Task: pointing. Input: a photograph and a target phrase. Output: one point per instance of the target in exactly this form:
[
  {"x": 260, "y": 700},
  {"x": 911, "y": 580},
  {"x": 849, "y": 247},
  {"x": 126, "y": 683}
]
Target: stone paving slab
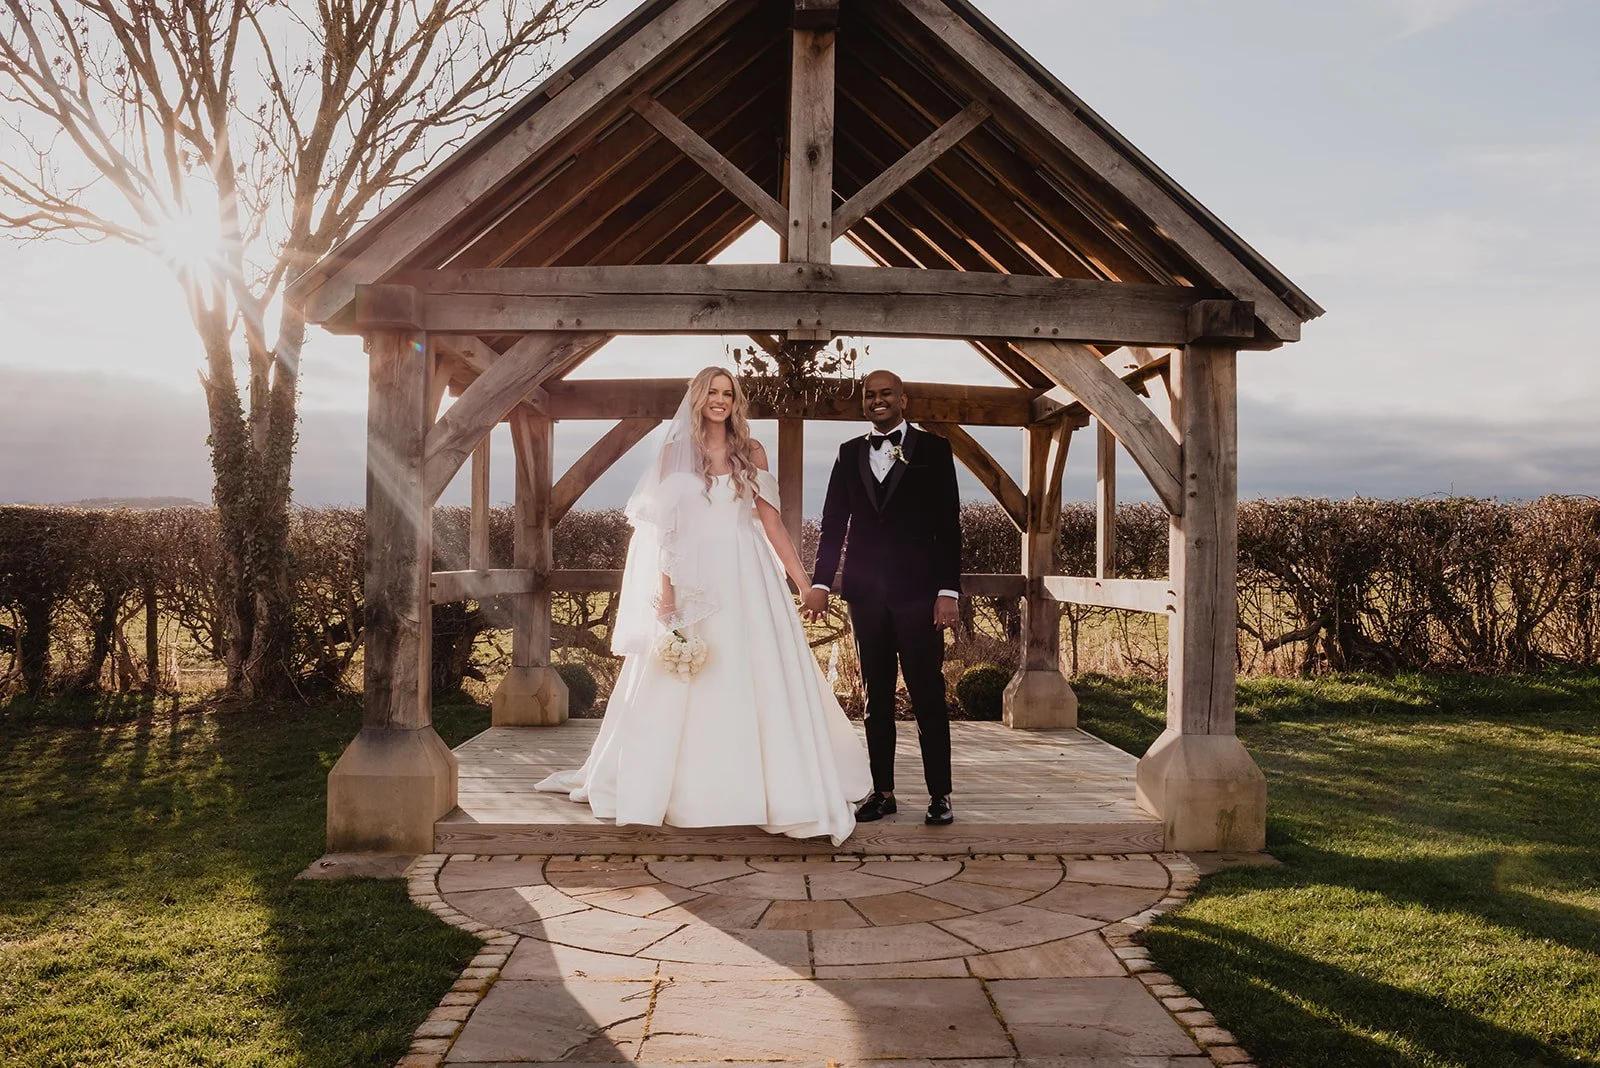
[
  {"x": 840, "y": 1018},
  {"x": 1110, "y": 1017},
  {"x": 575, "y": 1020},
  {"x": 998, "y": 962}
]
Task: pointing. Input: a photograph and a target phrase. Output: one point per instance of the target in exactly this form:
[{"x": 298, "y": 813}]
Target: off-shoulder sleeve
[{"x": 767, "y": 488}]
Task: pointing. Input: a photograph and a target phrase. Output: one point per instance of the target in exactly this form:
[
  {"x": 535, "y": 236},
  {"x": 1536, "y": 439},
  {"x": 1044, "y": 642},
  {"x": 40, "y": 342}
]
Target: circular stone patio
[{"x": 625, "y": 959}]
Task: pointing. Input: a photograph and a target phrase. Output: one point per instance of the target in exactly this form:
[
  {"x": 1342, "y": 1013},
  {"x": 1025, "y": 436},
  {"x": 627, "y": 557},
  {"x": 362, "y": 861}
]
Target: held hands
[
  {"x": 813, "y": 604},
  {"x": 945, "y": 613}
]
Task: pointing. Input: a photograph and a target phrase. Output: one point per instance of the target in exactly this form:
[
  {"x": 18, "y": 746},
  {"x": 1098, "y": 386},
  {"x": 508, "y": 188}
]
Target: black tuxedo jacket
[{"x": 904, "y": 535}]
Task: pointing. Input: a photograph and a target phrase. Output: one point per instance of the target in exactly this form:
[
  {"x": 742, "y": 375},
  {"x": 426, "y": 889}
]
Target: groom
[{"x": 892, "y": 499}]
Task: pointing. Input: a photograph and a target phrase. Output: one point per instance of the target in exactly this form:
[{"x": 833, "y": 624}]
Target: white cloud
[
  {"x": 1555, "y": 170},
  {"x": 1420, "y": 16},
  {"x": 1441, "y": 249}
]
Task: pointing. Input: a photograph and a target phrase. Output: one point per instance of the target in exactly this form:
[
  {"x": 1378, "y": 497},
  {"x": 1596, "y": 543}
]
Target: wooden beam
[
  {"x": 908, "y": 167},
  {"x": 1046, "y": 461},
  {"x": 439, "y": 381},
  {"x": 1222, "y": 320},
  {"x": 816, "y": 14},
  {"x": 445, "y": 199},
  {"x": 534, "y": 552},
  {"x": 478, "y": 532},
  {"x": 446, "y": 587},
  {"x": 492, "y": 397},
  {"x": 987, "y": 470},
  {"x": 1078, "y": 370},
  {"x": 386, "y": 307},
  {"x": 1203, "y": 544},
  {"x": 611, "y": 447},
  {"x": 714, "y": 163},
  {"x": 808, "y": 235},
  {"x": 399, "y": 519},
  {"x": 777, "y": 298},
  {"x": 610, "y": 581},
  {"x": 792, "y": 475},
  {"x": 1054, "y": 118},
  {"x": 1134, "y": 595},
  {"x": 1105, "y": 502}
]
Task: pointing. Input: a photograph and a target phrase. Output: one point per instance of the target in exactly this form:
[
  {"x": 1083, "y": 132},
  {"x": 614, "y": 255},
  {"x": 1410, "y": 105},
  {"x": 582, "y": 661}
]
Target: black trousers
[{"x": 899, "y": 636}]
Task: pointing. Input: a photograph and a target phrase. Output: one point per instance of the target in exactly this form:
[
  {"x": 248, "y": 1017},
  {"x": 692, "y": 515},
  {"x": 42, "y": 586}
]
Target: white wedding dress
[{"x": 756, "y": 737}]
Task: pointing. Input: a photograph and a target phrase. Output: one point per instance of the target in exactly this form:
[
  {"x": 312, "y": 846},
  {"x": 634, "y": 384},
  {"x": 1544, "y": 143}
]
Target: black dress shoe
[
  {"x": 939, "y": 811},
  {"x": 875, "y": 808}
]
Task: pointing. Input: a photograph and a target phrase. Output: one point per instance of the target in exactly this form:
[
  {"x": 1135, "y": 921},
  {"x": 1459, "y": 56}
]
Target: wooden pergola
[{"x": 1000, "y": 210}]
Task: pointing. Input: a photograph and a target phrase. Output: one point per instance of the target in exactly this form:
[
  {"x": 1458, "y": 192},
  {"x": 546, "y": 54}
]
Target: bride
[{"x": 754, "y": 737}]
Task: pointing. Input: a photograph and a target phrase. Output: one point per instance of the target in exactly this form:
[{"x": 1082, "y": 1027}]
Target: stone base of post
[
  {"x": 388, "y": 789},
  {"x": 1207, "y": 790},
  {"x": 530, "y": 697},
  {"x": 1039, "y": 700}
]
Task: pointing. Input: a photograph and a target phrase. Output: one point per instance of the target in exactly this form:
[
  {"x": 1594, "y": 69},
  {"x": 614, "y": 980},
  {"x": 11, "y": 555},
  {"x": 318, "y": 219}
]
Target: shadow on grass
[
  {"x": 149, "y": 901},
  {"x": 1295, "y": 1009}
]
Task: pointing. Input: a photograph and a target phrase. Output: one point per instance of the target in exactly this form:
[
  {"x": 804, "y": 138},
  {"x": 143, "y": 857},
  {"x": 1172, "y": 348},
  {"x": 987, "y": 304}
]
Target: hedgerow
[{"x": 1373, "y": 585}]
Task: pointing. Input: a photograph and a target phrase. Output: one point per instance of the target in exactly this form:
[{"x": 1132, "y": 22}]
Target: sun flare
[{"x": 189, "y": 240}]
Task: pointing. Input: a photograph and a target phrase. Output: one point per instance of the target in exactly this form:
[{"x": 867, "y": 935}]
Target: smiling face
[
  {"x": 718, "y": 403},
  {"x": 883, "y": 400}
]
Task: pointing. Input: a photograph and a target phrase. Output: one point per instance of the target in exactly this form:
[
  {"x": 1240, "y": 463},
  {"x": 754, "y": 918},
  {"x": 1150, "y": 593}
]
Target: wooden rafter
[
  {"x": 611, "y": 447},
  {"x": 1079, "y": 370},
  {"x": 1054, "y": 118},
  {"x": 492, "y": 397},
  {"x": 907, "y": 167},
  {"x": 444, "y": 201},
  {"x": 987, "y": 470},
  {"x": 713, "y": 162}
]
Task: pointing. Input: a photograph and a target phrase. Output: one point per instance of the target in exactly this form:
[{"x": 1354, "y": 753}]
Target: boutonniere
[{"x": 898, "y": 453}]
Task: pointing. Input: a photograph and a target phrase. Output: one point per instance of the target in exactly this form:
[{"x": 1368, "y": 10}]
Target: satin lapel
[
  {"x": 898, "y": 471},
  {"x": 864, "y": 462}
]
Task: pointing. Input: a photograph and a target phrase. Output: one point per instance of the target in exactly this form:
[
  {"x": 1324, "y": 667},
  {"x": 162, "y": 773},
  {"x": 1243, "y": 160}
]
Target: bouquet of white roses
[{"x": 682, "y": 654}]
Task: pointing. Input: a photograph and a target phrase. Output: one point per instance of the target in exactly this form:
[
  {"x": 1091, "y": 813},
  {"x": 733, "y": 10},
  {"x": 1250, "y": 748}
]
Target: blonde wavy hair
[{"x": 741, "y": 446}]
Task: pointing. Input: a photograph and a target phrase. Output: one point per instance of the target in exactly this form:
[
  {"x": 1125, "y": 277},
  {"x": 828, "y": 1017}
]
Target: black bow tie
[{"x": 892, "y": 437}]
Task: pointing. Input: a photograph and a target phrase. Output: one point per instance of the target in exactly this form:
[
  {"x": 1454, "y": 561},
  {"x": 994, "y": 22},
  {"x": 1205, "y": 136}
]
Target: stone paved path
[{"x": 993, "y": 961}]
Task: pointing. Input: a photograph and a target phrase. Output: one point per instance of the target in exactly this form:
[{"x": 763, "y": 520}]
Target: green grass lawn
[
  {"x": 148, "y": 908},
  {"x": 1438, "y": 901},
  {"x": 1439, "y": 897}
]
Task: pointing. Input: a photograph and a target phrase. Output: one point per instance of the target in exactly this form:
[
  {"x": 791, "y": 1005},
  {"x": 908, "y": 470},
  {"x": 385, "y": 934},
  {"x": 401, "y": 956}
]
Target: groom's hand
[
  {"x": 945, "y": 613},
  {"x": 814, "y": 603}
]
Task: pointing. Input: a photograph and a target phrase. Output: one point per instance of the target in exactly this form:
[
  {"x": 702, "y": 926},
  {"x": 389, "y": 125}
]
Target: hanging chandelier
[{"x": 799, "y": 378}]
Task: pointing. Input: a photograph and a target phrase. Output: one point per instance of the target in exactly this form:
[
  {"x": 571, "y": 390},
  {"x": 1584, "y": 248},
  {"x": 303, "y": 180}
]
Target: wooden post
[
  {"x": 1105, "y": 502},
  {"x": 1197, "y": 776},
  {"x": 532, "y": 694},
  {"x": 1038, "y": 696},
  {"x": 809, "y": 184},
  {"x": 791, "y": 474},
  {"x": 397, "y": 777},
  {"x": 478, "y": 534}
]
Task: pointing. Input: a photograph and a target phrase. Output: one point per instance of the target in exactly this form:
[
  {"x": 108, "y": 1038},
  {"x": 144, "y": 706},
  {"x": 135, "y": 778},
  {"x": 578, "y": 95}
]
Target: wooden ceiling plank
[
  {"x": 710, "y": 94},
  {"x": 453, "y": 196},
  {"x": 918, "y": 159},
  {"x": 985, "y": 158},
  {"x": 884, "y": 249},
  {"x": 1052, "y": 117}
]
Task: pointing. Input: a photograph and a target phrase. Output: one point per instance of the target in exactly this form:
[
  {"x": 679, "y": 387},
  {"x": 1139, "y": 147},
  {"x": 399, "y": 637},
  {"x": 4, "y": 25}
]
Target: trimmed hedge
[{"x": 1458, "y": 583}]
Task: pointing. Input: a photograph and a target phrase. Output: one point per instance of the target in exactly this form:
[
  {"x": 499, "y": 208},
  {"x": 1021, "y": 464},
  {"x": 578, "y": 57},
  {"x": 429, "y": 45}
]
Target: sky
[{"x": 1427, "y": 170}]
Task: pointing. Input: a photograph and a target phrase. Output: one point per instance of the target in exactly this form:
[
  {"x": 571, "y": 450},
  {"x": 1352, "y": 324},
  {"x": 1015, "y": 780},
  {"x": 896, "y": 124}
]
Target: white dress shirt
[{"x": 881, "y": 459}]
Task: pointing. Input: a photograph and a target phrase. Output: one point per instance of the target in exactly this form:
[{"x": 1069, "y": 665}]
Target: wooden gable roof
[{"x": 580, "y": 172}]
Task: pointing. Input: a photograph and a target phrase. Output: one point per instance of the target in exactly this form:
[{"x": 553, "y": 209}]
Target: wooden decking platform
[{"x": 1060, "y": 791}]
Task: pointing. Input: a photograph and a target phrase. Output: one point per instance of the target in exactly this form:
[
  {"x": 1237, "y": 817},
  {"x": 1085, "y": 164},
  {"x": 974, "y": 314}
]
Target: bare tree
[{"x": 239, "y": 140}]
